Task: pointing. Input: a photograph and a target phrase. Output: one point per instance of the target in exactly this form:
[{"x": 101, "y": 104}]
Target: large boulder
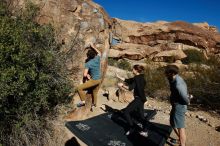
[
  {"x": 79, "y": 22},
  {"x": 154, "y": 39},
  {"x": 76, "y": 23},
  {"x": 206, "y": 26},
  {"x": 132, "y": 51},
  {"x": 169, "y": 55}
]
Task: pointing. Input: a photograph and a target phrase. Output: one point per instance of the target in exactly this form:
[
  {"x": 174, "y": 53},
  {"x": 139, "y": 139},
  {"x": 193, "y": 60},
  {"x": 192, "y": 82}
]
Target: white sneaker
[
  {"x": 144, "y": 134},
  {"x": 128, "y": 133},
  {"x": 140, "y": 125}
]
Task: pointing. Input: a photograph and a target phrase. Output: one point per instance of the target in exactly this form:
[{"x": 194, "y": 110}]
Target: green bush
[
  {"x": 193, "y": 56},
  {"x": 204, "y": 82},
  {"x": 122, "y": 64},
  {"x": 156, "y": 80},
  {"x": 32, "y": 81},
  {"x": 112, "y": 62}
]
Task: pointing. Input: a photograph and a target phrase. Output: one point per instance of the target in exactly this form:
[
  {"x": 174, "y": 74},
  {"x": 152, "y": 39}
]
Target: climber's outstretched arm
[{"x": 92, "y": 45}]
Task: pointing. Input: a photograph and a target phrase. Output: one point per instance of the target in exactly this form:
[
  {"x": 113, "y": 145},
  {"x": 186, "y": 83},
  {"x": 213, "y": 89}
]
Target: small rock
[
  {"x": 215, "y": 112},
  {"x": 159, "y": 109},
  {"x": 188, "y": 114},
  {"x": 211, "y": 125},
  {"x": 167, "y": 112},
  {"x": 217, "y": 128},
  {"x": 202, "y": 118},
  {"x": 199, "y": 117},
  {"x": 192, "y": 115},
  {"x": 205, "y": 120},
  {"x": 111, "y": 101}
]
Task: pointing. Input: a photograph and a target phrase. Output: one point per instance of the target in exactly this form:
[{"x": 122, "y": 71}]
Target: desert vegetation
[
  {"x": 122, "y": 63},
  {"x": 156, "y": 82},
  {"x": 201, "y": 75},
  {"x": 204, "y": 82},
  {"x": 194, "y": 56},
  {"x": 32, "y": 78}
]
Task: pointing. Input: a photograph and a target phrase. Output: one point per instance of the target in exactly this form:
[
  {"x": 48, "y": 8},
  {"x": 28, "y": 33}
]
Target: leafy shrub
[
  {"x": 156, "y": 80},
  {"x": 112, "y": 62},
  {"x": 122, "y": 64},
  {"x": 32, "y": 81},
  {"x": 204, "y": 83},
  {"x": 193, "y": 56}
]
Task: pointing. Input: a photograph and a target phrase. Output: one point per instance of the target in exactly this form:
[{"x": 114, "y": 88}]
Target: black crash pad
[{"x": 107, "y": 130}]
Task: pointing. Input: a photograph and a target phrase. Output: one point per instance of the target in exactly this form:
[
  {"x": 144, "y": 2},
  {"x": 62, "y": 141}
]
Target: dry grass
[
  {"x": 204, "y": 84},
  {"x": 48, "y": 132},
  {"x": 109, "y": 82}
]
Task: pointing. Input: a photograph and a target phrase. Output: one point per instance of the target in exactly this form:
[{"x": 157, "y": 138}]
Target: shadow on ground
[{"x": 72, "y": 142}]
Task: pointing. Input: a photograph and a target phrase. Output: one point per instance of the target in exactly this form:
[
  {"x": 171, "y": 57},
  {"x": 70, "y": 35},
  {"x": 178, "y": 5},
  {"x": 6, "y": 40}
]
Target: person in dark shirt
[
  {"x": 137, "y": 83},
  {"x": 179, "y": 100}
]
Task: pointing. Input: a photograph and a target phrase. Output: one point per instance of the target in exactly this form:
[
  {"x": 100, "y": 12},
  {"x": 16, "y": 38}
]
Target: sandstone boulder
[
  {"x": 170, "y": 55},
  {"x": 76, "y": 23},
  {"x": 160, "y": 35}
]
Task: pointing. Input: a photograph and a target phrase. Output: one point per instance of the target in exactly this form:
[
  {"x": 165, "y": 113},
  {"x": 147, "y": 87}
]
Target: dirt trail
[{"x": 199, "y": 133}]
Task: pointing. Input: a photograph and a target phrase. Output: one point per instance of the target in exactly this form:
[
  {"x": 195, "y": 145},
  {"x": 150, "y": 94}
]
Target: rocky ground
[{"x": 201, "y": 126}]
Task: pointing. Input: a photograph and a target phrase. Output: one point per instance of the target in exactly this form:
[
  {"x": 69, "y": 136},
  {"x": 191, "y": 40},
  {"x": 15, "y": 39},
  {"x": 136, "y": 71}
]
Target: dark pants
[{"x": 136, "y": 106}]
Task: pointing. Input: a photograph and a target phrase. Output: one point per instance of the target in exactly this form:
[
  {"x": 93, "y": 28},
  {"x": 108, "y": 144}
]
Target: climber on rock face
[{"x": 92, "y": 74}]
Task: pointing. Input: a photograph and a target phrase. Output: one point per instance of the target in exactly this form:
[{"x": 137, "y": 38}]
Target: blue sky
[{"x": 192, "y": 11}]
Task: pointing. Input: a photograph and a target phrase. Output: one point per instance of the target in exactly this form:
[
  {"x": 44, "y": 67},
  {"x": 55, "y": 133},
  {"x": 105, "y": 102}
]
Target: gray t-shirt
[
  {"x": 94, "y": 67},
  {"x": 179, "y": 92}
]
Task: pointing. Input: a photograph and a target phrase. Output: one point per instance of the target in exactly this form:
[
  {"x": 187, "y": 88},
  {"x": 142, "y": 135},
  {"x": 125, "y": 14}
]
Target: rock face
[
  {"x": 76, "y": 22},
  {"x": 162, "y": 40},
  {"x": 80, "y": 22}
]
